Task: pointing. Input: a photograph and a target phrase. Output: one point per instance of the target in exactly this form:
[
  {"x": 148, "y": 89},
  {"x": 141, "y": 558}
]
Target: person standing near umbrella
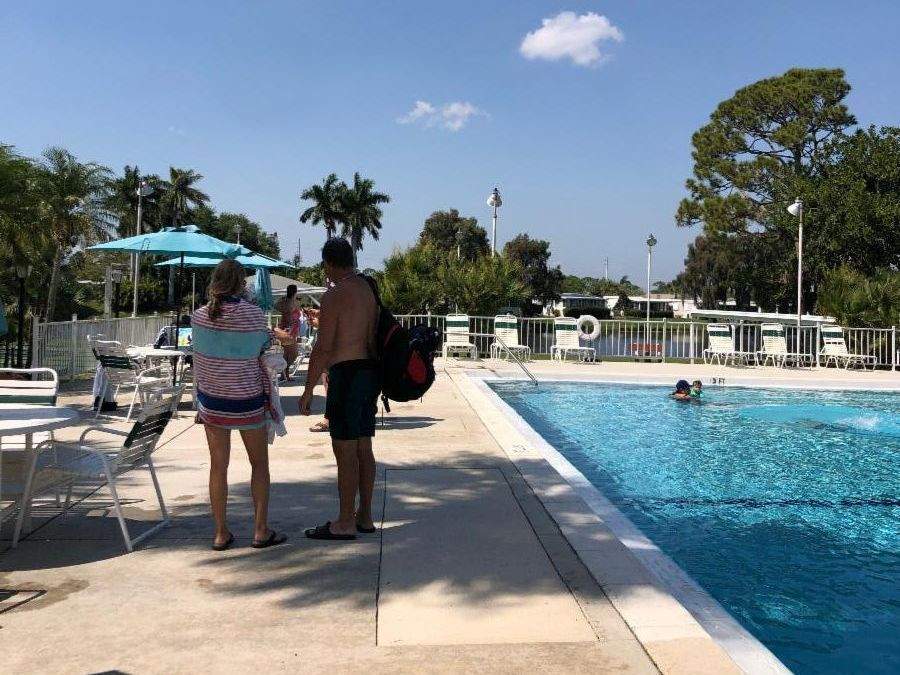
[
  {"x": 229, "y": 335},
  {"x": 289, "y": 320}
]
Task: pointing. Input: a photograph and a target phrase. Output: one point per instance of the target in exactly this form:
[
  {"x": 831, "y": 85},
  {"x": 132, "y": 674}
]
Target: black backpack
[{"x": 406, "y": 357}]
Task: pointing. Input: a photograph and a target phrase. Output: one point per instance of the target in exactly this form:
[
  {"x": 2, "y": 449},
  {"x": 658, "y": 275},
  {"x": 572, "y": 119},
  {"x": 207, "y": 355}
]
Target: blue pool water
[{"x": 784, "y": 505}]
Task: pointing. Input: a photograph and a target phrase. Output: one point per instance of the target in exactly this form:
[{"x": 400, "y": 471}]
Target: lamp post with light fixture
[
  {"x": 796, "y": 210},
  {"x": 495, "y": 202},
  {"x": 651, "y": 242},
  {"x": 143, "y": 190}
]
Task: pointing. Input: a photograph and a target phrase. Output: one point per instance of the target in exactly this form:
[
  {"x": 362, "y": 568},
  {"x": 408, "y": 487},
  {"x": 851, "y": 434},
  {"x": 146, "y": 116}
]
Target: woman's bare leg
[
  {"x": 257, "y": 444},
  {"x": 219, "y": 441}
]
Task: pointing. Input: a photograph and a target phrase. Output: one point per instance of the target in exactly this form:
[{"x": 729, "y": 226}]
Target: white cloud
[
  {"x": 568, "y": 35},
  {"x": 451, "y": 116}
]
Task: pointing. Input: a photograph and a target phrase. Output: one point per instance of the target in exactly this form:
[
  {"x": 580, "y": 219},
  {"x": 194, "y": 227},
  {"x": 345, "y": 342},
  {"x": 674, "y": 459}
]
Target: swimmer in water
[
  {"x": 696, "y": 389},
  {"x": 682, "y": 391}
]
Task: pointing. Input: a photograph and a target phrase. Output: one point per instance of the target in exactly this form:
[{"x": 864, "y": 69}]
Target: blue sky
[{"x": 585, "y": 126}]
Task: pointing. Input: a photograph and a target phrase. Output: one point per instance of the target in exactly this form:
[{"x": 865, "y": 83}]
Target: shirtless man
[{"x": 345, "y": 347}]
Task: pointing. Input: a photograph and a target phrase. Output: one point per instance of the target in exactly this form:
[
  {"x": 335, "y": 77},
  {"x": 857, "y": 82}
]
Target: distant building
[
  {"x": 659, "y": 302},
  {"x": 572, "y": 301}
]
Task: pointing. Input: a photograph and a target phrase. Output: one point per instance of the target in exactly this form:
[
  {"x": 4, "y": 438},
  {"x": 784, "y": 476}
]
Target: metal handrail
[{"x": 510, "y": 352}]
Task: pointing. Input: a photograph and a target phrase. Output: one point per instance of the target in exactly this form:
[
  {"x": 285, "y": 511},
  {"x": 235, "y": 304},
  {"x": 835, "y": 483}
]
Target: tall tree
[
  {"x": 72, "y": 208},
  {"x": 449, "y": 231},
  {"x": 122, "y": 200},
  {"x": 533, "y": 256},
  {"x": 360, "y": 205},
  {"x": 178, "y": 199},
  {"x": 326, "y": 206}
]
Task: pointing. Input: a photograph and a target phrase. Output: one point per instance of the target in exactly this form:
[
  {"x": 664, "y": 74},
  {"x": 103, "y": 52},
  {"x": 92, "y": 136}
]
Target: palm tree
[
  {"x": 327, "y": 207},
  {"x": 179, "y": 195},
  {"x": 361, "y": 210},
  {"x": 72, "y": 208},
  {"x": 17, "y": 204},
  {"x": 123, "y": 200},
  {"x": 176, "y": 201}
]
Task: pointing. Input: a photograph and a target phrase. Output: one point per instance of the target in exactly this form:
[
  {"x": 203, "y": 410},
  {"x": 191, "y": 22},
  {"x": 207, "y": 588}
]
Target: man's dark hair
[
  {"x": 337, "y": 252},
  {"x": 291, "y": 290}
]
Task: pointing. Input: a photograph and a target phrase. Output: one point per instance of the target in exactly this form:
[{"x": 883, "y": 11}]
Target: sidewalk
[{"x": 468, "y": 573}]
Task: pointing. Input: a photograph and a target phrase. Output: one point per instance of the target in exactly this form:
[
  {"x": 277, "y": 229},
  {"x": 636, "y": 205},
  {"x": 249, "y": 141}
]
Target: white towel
[
  {"x": 100, "y": 383},
  {"x": 275, "y": 364}
]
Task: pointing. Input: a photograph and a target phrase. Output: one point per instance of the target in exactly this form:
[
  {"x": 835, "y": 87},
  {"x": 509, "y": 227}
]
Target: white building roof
[{"x": 759, "y": 317}]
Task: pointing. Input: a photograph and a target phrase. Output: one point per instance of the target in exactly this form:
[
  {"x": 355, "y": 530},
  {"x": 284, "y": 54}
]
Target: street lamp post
[
  {"x": 143, "y": 190},
  {"x": 796, "y": 210},
  {"x": 22, "y": 272},
  {"x": 651, "y": 242},
  {"x": 495, "y": 202}
]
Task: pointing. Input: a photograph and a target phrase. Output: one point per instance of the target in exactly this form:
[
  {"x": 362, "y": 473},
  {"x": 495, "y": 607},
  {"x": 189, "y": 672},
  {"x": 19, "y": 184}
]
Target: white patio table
[{"x": 17, "y": 419}]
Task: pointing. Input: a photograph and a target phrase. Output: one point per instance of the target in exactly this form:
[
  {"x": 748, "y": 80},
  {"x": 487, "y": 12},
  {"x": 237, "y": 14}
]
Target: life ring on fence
[{"x": 594, "y": 332}]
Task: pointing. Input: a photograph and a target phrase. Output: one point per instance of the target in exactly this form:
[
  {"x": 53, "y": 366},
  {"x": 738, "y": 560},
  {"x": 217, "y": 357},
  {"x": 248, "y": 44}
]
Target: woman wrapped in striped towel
[{"x": 229, "y": 336}]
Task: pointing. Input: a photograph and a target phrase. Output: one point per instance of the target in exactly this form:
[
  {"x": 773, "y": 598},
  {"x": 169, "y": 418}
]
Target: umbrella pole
[
  {"x": 178, "y": 300},
  {"x": 193, "y": 290}
]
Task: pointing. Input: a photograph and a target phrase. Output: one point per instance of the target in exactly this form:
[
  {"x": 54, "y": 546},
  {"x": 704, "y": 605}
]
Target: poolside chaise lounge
[
  {"x": 506, "y": 332},
  {"x": 774, "y": 347},
  {"x": 721, "y": 346},
  {"x": 834, "y": 349},
  {"x": 456, "y": 337},
  {"x": 565, "y": 334}
]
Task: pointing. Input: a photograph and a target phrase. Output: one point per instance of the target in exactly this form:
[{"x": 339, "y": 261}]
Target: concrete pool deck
[{"x": 475, "y": 567}]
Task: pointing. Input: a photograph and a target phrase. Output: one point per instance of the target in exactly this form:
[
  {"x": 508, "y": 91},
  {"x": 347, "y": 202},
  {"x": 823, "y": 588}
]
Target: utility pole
[{"x": 606, "y": 268}]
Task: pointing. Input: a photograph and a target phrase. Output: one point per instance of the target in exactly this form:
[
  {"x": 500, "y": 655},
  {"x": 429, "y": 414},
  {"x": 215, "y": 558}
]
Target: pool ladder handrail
[{"x": 519, "y": 361}]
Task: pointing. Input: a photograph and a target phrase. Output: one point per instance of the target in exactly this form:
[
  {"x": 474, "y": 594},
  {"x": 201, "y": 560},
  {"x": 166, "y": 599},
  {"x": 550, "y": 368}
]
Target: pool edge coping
[{"x": 647, "y": 569}]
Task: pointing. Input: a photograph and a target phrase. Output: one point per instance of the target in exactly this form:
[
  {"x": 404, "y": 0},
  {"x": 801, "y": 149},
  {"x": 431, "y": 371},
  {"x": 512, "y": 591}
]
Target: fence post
[
  {"x": 692, "y": 342},
  {"x": 34, "y": 342},
  {"x": 893, "y": 347},
  {"x": 665, "y": 325},
  {"x": 818, "y": 342},
  {"x": 74, "y": 345}
]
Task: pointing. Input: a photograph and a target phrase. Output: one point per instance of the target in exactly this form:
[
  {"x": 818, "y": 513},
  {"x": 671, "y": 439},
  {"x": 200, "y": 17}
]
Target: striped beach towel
[{"x": 233, "y": 389}]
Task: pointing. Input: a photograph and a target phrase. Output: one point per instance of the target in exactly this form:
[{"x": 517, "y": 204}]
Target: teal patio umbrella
[
  {"x": 252, "y": 261},
  {"x": 181, "y": 240}
]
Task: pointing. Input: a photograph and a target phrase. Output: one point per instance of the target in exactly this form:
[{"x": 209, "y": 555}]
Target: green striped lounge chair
[
  {"x": 774, "y": 345},
  {"x": 565, "y": 337},
  {"x": 506, "y": 342},
  {"x": 834, "y": 349},
  {"x": 456, "y": 337}
]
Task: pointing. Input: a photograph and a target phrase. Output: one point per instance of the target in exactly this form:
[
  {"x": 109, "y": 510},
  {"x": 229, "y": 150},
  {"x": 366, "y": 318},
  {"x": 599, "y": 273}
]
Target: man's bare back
[{"x": 349, "y": 316}]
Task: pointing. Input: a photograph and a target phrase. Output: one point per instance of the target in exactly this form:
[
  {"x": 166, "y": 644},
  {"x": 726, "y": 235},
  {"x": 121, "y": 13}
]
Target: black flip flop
[
  {"x": 324, "y": 532},
  {"x": 366, "y": 530},
  {"x": 273, "y": 540},
  {"x": 224, "y": 545}
]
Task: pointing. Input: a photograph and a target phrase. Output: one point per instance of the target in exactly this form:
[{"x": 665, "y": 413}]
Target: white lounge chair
[
  {"x": 774, "y": 347},
  {"x": 834, "y": 349},
  {"x": 103, "y": 464},
  {"x": 721, "y": 346},
  {"x": 506, "y": 331},
  {"x": 565, "y": 335},
  {"x": 456, "y": 337}
]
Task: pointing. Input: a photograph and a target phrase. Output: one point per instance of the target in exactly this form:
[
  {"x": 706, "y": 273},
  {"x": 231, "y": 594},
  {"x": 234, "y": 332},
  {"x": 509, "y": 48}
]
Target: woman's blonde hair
[{"x": 227, "y": 281}]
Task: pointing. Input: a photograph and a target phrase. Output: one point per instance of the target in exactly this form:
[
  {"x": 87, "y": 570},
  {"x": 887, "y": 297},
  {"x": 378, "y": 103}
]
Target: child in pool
[
  {"x": 682, "y": 391},
  {"x": 696, "y": 390}
]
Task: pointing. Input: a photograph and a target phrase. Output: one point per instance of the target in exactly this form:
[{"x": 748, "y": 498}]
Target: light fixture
[{"x": 495, "y": 202}]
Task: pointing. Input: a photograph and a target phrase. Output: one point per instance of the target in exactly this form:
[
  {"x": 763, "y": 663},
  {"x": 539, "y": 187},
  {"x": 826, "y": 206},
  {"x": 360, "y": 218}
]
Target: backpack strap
[{"x": 369, "y": 280}]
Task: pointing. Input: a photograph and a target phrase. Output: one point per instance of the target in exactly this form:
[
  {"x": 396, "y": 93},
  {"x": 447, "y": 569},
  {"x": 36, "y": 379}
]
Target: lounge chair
[
  {"x": 721, "y": 346},
  {"x": 774, "y": 347},
  {"x": 834, "y": 349},
  {"x": 104, "y": 464},
  {"x": 506, "y": 332},
  {"x": 565, "y": 334},
  {"x": 456, "y": 337}
]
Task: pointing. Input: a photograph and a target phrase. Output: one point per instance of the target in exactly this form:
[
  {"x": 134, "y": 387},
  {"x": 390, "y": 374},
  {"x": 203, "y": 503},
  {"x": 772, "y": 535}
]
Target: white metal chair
[
  {"x": 456, "y": 337},
  {"x": 834, "y": 349},
  {"x": 565, "y": 333},
  {"x": 85, "y": 462},
  {"x": 304, "y": 350},
  {"x": 506, "y": 332},
  {"x": 121, "y": 370}
]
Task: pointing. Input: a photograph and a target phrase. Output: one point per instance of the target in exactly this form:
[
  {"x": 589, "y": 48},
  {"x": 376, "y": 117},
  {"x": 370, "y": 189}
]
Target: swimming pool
[{"x": 783, "y": 504}]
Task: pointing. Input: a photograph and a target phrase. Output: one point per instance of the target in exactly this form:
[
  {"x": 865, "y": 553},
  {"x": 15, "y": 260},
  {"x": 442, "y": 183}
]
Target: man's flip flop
[
  {"x": 319, "y": 427},
  {"x": 225, "y": 544},
  {"x": 365, "y": 530},
  {"x": 273, "y": 540},
  {"x": 324, "y": 532}
]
